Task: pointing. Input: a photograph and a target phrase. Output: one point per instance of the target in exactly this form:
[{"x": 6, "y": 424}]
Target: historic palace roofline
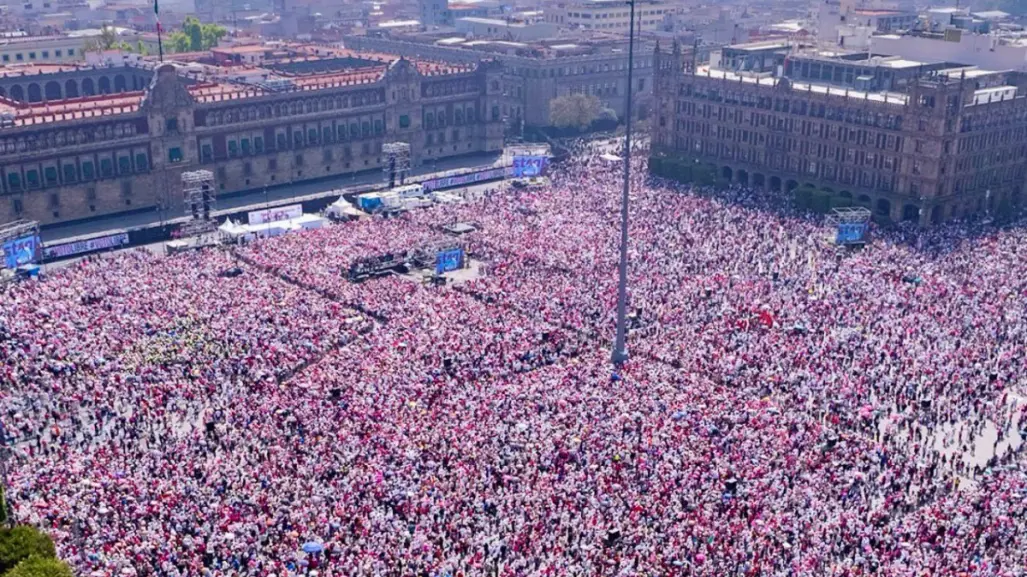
[{"x": 207, "y": 84}]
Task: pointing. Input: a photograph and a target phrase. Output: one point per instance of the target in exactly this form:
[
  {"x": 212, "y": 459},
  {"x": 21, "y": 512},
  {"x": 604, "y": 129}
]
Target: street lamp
[{"x": 620, "y": 349}]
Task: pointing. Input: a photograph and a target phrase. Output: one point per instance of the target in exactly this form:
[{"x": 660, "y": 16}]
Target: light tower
[{"x": 620, "y": 347}]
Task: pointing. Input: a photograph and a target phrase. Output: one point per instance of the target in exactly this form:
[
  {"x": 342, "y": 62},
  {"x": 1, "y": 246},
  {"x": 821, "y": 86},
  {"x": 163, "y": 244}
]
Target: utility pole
[{"x": 620, "y": 349}]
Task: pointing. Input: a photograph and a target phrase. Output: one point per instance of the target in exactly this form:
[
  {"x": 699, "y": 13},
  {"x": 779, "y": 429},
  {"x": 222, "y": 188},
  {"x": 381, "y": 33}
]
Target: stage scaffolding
[
  {"x": 13, "y": 231},
  {"x": 18, "y": 229},
  {"x": 395, "y": 162},
  {"x": 199, "y": 198},
  {"x": 850, "y": 224},
  {"x": 424, "y": 256},
  {"x": 515, "y": 150}
]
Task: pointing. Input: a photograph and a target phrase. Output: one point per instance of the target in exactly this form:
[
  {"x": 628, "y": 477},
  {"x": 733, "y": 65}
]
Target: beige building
[
  {"x": 946, "y": 144},
  {"x": 112, "y": 139},
  {"x": 536, "y": 73},
  {"x": 41, "y": 49},
  {"x": 612, "y": 15}
]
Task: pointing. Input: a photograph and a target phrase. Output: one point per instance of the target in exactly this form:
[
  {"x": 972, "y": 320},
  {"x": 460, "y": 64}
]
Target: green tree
[
  {"x": 804, "y": 196},
  {"x": 656, "y": 165},
  {"x": 212, "y": 35},
  {"x": 574, "y": 111},
  {"x": 820, "y": 202},
  {"x": 179, "y": 42},
  {"x": 194, "y": 30},
  {"x": 704, "y": 174},
  {"x": 21, "y": 542},
  {"x": 36, "y": 566},
  {"x": 201, "y": 36},
  {"x": 840, "y": 202}
]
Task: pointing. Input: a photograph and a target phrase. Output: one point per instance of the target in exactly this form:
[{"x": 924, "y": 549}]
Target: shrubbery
[
  {"x": 28, "y": 552},
  {"x": 36, "y": 566},
  {"x": 685, "y": 170},
  {"x": 22, "y": 542},
  {"x": 808, "y": 197}
]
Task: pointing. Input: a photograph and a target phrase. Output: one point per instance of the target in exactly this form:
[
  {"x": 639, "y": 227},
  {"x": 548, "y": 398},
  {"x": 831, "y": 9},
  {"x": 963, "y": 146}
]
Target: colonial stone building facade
[
  {"x": 534, "y": 74},
  {"x": 950, "y": 144},
  {"x": 68, "y": 159}
]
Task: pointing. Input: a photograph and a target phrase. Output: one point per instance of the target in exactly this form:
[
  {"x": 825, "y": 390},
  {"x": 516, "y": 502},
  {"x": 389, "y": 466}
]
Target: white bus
[{"x": 408, "y": 191}]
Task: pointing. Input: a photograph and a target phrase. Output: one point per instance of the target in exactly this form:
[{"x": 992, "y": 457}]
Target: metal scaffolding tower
[
  {"x": 27, "y": 252},
  {"x": 199, "y": 197},
  {"x": 395, "y": 162}
]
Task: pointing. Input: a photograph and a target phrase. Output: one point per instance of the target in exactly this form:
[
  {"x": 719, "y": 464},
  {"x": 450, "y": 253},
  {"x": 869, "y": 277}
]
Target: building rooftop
[
  {"x": 991, "y": 15},
  {"x": 491, "y": 22},
  {"x": 399, "y": 23},
  {"x": 243, "y": 49},
  {"x": 17, "y": 40},
  {"x": 900, "y": 63},
  {"x": 33, "y": 69},
  {"x": 878, "y": 12},
  {"x": 214, "y": 83},
  {"x": 968, "y": 72},
  {"x": 770, "y": 81},
  {"x": 760, "y": 46},
  {"x": 993, "y": 94},
  {"x": 24, "y": 114}
]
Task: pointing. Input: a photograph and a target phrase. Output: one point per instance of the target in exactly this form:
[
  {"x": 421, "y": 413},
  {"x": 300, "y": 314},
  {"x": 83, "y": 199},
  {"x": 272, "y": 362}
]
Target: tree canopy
[
  {"x": 22, "y": 542},
  {"x": 574, "y": 111},
  {"x": 195, "y": 36},
  {"x": 36, "y": 566},
  {"x": 3, "y": 504}
]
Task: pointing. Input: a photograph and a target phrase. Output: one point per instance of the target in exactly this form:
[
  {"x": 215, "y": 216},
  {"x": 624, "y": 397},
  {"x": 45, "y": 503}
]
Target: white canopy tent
[
  {"x": 341, "y": 209},
  {"x": 237, "y": 232}
]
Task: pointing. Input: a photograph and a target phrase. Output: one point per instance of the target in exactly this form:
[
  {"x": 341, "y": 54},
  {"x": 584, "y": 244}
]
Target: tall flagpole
[
  {"x": 620, "y": 348},
  {"x": 160, "y": 44}
]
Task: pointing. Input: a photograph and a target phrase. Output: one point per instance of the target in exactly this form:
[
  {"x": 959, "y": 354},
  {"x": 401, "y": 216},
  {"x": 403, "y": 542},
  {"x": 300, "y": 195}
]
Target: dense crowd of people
[{"x": 790, "y": 407}]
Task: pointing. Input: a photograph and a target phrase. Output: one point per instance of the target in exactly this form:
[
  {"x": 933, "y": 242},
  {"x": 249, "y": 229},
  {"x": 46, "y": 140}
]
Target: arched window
[{"x": 53, "y": 90}]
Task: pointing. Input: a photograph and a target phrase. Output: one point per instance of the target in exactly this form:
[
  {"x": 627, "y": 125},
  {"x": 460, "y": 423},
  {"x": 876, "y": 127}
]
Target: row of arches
[
  {"x": 71, "y": 88},
  {"x": 881, "y": 207}
]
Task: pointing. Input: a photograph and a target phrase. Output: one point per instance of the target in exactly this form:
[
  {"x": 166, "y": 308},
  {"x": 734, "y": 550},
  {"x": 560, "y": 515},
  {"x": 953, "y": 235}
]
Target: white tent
[
  {"x": 235, "y": 232},
  {"x": 341, "y": 209},
  {"x": 279, "y": 227},
  {"x": 307, "y": 222}
]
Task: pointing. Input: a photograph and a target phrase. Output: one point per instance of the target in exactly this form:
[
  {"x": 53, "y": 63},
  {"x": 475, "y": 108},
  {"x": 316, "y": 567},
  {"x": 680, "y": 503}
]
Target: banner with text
[
  {"x": 83, "y": 246},
  {"x": 275, "y": 214},
  {"x": 19, "y": 251}
]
